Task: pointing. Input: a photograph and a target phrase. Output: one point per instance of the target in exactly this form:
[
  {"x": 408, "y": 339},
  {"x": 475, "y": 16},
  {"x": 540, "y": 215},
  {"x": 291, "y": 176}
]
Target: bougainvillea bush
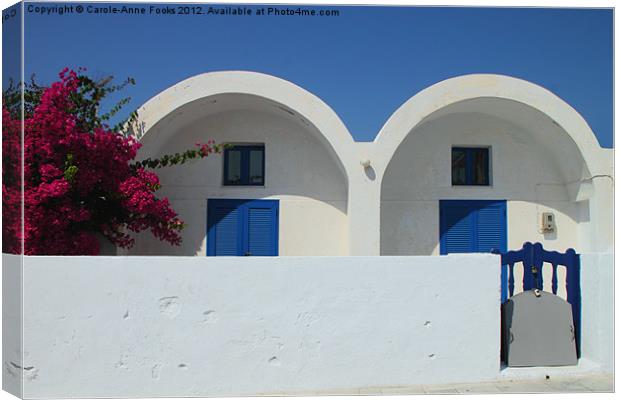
[{"x": 81, "y": 180}]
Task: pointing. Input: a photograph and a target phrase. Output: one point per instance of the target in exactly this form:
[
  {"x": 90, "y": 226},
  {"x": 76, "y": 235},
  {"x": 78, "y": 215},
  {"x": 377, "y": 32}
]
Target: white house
[{"x": 466, "y": 165}]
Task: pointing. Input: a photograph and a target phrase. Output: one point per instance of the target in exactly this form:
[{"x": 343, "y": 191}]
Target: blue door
[
  {"x": 472, "y": 226},
  {"x": 242, "y": 227}
]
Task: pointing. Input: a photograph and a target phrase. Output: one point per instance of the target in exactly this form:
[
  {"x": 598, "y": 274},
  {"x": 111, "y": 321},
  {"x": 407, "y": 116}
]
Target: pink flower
[{"x": 76, "y": 184}]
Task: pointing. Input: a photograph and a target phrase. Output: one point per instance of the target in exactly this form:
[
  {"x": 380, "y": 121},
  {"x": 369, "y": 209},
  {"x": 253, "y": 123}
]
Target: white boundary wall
[
  {"x": 189, "y": 326},
  {"x": 597, "y": 309}
]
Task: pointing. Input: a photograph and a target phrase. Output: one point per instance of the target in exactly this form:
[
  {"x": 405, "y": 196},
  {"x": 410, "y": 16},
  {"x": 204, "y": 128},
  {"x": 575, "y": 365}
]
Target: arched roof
[
  {"x": 311, "y": 108},
  {"x": 467, "y": 87},
  {"x": 335, "y": 135}
]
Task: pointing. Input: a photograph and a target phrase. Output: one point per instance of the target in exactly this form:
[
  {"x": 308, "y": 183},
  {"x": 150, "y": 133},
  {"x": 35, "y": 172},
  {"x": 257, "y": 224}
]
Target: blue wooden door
[
  {"x": 242, "y": 227},
  {"x": 472, "y": 226}
]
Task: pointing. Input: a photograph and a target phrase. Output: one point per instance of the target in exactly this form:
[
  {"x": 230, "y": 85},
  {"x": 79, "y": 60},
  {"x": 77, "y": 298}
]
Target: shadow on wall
[{"x": 370, "y": 173}]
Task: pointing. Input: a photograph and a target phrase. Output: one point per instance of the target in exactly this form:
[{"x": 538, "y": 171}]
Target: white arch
[
  {"x": 364, "y": 190},
  {"x": 468, "y": 87},
  {"x": 598, "y": 231},
  {"x": 306, "y": 104}
]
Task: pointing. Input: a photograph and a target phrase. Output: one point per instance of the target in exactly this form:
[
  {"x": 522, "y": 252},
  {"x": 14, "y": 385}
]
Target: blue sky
[{"x": 363, "y": 63}]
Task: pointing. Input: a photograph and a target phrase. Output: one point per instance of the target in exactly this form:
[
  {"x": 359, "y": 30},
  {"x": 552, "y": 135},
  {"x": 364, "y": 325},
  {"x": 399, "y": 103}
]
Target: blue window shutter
[
  {"x": 490, "y": 227},
  {"x": 262, "y": 227},
  {"x": 225, "y": 222},
  {"x": 242, "y": 227},
  {"x": 456, "y": 229},
  {"x": 472, "y": 226}
]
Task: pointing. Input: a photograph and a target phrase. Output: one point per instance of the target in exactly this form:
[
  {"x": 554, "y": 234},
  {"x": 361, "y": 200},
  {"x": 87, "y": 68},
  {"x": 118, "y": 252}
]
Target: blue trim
[
  {"x": 469, "y": 166},
  {"x": 242, "y": 206},
  {"x": 245, "y": 165}
]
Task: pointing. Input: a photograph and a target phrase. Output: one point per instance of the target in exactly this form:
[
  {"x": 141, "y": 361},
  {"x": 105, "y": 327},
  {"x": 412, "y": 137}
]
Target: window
[
  {"x": 244, "y": 165},
  {"x": 472, "y": 226},
  {"x": 242, "y": 227},
  {"x": 470, "y": 166}
]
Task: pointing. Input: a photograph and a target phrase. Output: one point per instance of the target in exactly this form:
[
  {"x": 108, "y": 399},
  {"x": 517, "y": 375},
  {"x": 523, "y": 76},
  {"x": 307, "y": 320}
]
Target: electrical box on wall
[{"x": 548, "y": 222}]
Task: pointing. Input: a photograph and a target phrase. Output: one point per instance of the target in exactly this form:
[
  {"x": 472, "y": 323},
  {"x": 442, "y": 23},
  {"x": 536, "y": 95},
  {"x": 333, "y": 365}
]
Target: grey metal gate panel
[{"x": 539, "y": 330}]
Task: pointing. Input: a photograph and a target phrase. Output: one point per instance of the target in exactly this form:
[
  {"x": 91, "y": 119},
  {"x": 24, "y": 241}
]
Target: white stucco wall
[
  {"x": 524, "y": 170},
  {"x": 544, "y": 158},
  {"x": 299, "y": 172},
  {"x": 12, "y": 324},
  {"x": 561, "y": 137},
  {"x": 597, "y": 308},
  {"x": 190, "y": 326}
]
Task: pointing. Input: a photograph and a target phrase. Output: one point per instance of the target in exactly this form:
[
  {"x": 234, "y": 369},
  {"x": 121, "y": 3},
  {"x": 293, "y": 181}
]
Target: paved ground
[{"x": 570, "y": 384}]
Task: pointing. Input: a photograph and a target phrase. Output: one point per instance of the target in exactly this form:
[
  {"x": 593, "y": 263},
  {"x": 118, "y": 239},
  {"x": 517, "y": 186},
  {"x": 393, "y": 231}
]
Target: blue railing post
[
  {"x": 528, "y": 261},
  {"x": 573, "y": 292},
  {"x": 537, "y": 262}
]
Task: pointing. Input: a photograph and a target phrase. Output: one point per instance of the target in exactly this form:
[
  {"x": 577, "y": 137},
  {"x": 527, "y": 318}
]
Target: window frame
[
  {"x": 245, "y": 151},
  {"x": 469, "y": 166}
]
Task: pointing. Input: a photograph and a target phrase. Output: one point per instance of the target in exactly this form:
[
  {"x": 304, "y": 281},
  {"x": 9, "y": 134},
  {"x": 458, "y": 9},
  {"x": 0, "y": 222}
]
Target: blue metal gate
[{"x": 533, "y": 256}]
